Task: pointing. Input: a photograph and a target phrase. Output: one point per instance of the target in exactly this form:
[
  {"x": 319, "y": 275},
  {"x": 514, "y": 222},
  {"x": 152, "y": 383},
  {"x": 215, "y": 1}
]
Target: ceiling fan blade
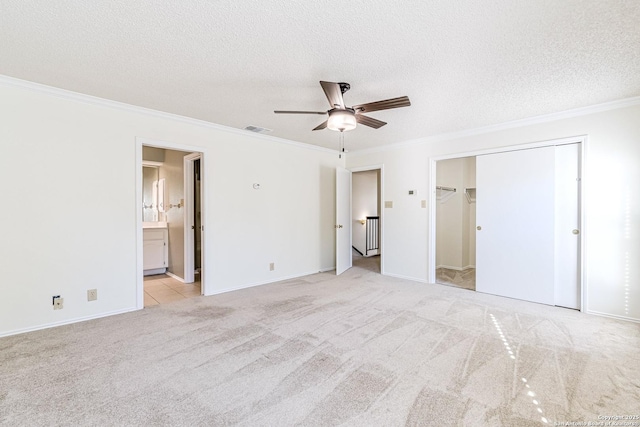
[
  {"x": 321, "y": 126},
  {"x": 369, "y": 121},
  {"x": 402, "y": 101},
  {"x": 334, "y": 94},
  {"x": 298, "y": 112}
]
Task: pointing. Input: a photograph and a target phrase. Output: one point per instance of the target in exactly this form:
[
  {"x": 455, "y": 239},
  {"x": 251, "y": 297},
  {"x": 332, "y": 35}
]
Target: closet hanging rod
[{"x": 445, "y": 188}]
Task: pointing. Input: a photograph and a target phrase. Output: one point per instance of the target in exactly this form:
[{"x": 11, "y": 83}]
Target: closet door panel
[{"x": 515, "y": 213}]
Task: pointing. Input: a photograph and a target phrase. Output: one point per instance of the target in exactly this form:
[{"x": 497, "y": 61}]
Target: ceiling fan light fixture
[{"x": 341, "y": 120}]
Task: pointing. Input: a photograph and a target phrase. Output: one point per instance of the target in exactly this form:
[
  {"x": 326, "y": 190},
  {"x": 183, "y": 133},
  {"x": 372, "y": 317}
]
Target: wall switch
[
  {"x": 92, "y": 294},
  {"x": 272, "y": 266},
  {"x": 57, "y": 302},
  {"x": 388, "y": 204},
  {"x": 423, "y": 203}
]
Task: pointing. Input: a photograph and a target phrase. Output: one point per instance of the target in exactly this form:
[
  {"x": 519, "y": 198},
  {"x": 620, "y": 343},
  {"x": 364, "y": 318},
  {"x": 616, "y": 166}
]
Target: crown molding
[
  {"x": 103, "y": 102},
  {"x": 545, "y": 118}
]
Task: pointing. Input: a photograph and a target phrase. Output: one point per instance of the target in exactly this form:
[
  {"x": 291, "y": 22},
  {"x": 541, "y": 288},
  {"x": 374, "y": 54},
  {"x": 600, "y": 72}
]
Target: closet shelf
[
  {"x": 471, "y": 194},
  {"x": 444, "y": 193}
]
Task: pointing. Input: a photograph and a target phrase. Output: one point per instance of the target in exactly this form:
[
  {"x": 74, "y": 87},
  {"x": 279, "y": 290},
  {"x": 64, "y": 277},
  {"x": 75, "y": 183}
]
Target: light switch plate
[{"x": 388, "y": 204}]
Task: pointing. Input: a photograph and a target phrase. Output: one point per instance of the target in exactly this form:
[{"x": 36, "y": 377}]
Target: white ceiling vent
[{"x": 257, "y": 129}]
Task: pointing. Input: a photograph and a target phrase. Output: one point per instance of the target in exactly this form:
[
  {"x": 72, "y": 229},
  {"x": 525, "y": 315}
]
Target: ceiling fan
[{"x": 343, "y": 118}]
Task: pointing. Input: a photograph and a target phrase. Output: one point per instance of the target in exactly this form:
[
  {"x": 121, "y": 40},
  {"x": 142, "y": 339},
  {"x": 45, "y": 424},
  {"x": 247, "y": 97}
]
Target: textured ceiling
[{"x": 464, "y": 64}]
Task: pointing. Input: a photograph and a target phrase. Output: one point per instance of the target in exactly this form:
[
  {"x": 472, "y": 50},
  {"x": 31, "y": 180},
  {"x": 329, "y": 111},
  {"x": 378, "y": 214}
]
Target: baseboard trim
[
  {"x": 252, "y": 285},
  {"x": 66, "y": 322},
  {"x": 178, "y": 278},
  {"x": 449, "y": 267},
  {"x": 324, "y": 270},
  {"x": 612, "y": 316},
  {"x": 413, "y": 279}
]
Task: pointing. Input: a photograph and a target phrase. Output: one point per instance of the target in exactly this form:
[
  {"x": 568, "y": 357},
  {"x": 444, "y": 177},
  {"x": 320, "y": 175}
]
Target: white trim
[
  {"x": 174, "y": 276},
  {"x": 251, "y": 285},
  {"x": 413, "y": 279},
  {"x": 581, "y": 139},
  {"x": 94, "y": 100},
  {"x": 66, "y": 322},
  {"x": 584, "y": 299},
  {"x": 544, "y": 118},
  {"x": 379, "y": 167},
  {"x": 450, "y": 267},
  {"x": 613, "y": 316},
  {"x": 324, "y": 270},
  {"x": 139, "y": 231}
]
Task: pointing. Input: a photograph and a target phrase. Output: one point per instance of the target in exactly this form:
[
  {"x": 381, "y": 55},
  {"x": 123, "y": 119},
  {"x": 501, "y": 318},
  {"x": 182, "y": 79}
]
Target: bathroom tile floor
[{"x": 161, "y": 289}]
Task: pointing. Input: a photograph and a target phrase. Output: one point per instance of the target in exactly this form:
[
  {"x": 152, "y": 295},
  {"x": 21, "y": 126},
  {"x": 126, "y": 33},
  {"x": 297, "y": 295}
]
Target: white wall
[
  {"x": 68, "y": 178},
  {"x": 364, "y": 203},
  {"x": 611, "y": 182}
]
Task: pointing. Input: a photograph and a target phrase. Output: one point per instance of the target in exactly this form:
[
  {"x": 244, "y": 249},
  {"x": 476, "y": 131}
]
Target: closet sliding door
[
  {"x": 515, "y": 207},
  {"x": 528, "y": 225}
]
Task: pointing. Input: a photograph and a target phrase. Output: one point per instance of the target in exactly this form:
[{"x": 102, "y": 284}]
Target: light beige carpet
[
  {"x": 463, "y": 279},
  {"x": 357, "y": 350}
]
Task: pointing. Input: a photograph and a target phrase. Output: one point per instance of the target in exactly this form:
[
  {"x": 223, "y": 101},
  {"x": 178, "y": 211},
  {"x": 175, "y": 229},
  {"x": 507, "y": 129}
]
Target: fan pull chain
[{"x": 341, "y": 145}]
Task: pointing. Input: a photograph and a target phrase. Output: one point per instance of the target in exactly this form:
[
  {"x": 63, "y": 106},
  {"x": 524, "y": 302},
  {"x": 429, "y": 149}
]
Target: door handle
[
  {"x": 478, "y": 228},
  {"x": 576, "y": 231}
]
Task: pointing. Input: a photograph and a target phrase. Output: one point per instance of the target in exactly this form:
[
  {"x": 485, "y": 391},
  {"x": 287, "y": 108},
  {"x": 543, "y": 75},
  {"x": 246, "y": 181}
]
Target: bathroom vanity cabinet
[{"x": 155, "y": 249}]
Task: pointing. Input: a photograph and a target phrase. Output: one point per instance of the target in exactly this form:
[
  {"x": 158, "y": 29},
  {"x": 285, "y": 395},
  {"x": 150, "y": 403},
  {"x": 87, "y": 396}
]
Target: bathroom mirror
[{"x": 150, "y": 177}]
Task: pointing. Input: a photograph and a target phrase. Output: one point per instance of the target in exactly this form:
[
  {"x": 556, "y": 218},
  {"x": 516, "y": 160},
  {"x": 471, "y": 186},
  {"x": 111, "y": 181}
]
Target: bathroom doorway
[{"x": 171, "y": 220}]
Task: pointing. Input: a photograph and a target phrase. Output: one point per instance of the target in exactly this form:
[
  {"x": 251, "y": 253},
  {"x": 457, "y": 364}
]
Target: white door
[
  {"x": 343, "y": 220},
  {"x": 189, "y": 217},
  {"x": 567, "y": 230},
  {"x": 515, "y": 209}
]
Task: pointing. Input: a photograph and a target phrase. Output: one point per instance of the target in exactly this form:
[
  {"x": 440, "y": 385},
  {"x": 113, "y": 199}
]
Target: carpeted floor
[
  {"x": 463, "y": 279},
  {"x": 360, "y": 349}
]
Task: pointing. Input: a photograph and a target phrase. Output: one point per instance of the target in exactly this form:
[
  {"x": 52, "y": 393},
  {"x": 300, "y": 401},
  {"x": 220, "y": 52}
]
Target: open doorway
[
  {"x": 170, "y": 192},
  {"x": 351, "y": 222},
  {"x": 366, "y": 208},
  {"x": 456, "y": 222}
]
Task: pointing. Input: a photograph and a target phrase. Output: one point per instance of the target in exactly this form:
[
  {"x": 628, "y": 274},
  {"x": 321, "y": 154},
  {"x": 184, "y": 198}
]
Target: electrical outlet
[
  {"x": 272, "y": 266},
  {"x": 92, "y": 294},
  {"x": 58, "y": 302}
]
